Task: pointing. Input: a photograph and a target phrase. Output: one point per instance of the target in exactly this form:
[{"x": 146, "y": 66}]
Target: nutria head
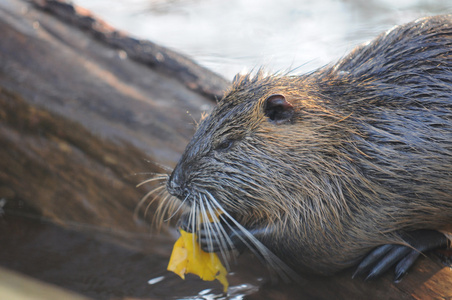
[{"x": 263, "y": 143}]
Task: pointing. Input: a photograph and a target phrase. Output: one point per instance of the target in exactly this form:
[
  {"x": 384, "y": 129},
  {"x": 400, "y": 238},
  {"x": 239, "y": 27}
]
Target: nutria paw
[{"x": 383, "y": 257}]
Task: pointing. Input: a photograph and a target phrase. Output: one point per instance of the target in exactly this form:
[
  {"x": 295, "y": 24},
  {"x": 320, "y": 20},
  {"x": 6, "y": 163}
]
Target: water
[{"x": 234, "y": 36}]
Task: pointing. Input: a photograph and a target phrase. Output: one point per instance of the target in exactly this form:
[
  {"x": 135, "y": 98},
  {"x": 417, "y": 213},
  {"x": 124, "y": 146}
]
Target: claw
[
  {"x": 392, "y": 257},
  {"x": 403, "y": 265},
  {"x": 379, "y": 260},
  {"x": 370, "y": 259}
]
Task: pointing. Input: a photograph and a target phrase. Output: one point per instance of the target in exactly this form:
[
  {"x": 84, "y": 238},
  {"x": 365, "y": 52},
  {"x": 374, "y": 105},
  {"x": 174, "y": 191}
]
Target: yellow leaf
[
  {"x": 178, "y": 260},
  {"x": 188, "y": 257}
]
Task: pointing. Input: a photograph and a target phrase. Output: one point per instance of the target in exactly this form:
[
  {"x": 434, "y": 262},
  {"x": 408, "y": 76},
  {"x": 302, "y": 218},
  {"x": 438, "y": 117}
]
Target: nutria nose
[{"x": 175, "y": 182}]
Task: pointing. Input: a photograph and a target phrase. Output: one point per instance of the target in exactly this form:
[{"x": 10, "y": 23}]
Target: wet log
[
  {"x": 87, "y": 113},
  {"x": 77, "y": 110}
]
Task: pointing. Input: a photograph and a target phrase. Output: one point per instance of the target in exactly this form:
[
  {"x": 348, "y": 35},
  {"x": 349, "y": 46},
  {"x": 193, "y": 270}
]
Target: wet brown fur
[{"x": 367, "y": 156}]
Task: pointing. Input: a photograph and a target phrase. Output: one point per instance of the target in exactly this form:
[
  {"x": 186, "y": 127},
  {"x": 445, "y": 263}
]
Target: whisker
[
  {"x": 222, "y": 237},
  {"x": 166, "y": 168},
  {"x": 262, "y": 252},
  {"x": 148, "y": 173},
  {"x": 207, "y": 225},
  {"x": 161, "y": 190},
  {"x": 137, "y": 208},
  {"x": 193, "y": 219},
  {"x": 161, "y": 208},
  {"x": 152, "y": 179},
  {"x": 210, "y": 229},
  {"x": 232, "y": 228},
  {"x": 160, "y": 212},
  {"x": 216, "y": 220},
  {"x": 152, "y": 174},
  {"x": 172, "y": 207},
  {"x": 177, "y": 210}
]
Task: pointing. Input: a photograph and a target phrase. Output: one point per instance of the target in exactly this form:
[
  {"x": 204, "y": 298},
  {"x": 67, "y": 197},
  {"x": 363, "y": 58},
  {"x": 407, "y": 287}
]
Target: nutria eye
[
  {"x": 224, "y": 145},
  {"x": 278, "y": 109}
]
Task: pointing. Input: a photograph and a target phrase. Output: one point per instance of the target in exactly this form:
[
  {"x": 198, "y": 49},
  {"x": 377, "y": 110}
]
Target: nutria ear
[{"x": 278, "y": 109}]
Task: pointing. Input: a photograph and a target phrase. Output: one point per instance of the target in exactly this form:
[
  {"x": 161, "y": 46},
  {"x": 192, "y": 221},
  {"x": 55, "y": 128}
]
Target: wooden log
[{"x": 76, "y": 110}]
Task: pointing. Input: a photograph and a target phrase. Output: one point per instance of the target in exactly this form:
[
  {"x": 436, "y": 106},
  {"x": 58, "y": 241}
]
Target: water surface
[{"x": 238, "y": 35}]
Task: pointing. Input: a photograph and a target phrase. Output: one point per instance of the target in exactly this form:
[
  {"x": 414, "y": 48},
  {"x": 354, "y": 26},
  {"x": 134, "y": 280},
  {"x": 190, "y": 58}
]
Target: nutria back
[{"x": 323, "y": 167}]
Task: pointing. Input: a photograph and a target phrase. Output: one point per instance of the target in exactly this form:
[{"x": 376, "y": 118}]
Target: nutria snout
[{"x": 350, "y": 163}]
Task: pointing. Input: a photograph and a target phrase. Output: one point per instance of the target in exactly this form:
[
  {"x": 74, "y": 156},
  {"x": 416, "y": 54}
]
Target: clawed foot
[{"x": 384, "y": 257}]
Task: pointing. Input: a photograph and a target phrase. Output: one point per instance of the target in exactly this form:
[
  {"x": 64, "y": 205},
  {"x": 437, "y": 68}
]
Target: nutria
[{"x": 350, "y": 163}]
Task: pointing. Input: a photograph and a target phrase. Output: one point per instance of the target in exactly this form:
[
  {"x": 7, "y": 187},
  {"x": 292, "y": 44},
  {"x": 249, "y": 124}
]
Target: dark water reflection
[
  {"x": 86, "y": 263},
  {"x": 103, "y": 266}
]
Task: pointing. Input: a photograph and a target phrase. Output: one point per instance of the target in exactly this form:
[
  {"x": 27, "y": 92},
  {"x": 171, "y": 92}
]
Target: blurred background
[{"x": 235, "y": 36}]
